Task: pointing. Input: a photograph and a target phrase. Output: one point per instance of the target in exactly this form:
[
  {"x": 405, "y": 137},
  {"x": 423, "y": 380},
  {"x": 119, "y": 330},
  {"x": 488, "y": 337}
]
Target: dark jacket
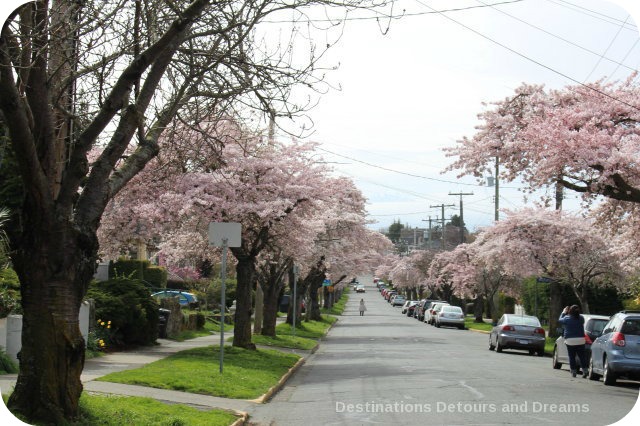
[{"x": 573, "y": 327}]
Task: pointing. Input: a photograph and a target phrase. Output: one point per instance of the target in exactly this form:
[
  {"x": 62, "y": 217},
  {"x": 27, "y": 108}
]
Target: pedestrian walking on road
[
  {"x": 573, "y": 335},
  {"x": 362, "y": 307}
]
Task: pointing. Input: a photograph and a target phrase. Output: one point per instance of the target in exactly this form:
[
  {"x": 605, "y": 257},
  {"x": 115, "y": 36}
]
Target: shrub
[
  {"x": 130, "y": 308},
  {"x": 130, "y": 268},
  {"x": 156, "y": 276},
  {"x": 9, "y": 293},
  {"x": 7, "y": 366}
]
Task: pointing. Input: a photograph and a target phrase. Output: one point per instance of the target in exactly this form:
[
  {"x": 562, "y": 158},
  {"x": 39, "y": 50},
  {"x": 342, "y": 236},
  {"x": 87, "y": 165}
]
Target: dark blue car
[{"x": 616, "y": 353}]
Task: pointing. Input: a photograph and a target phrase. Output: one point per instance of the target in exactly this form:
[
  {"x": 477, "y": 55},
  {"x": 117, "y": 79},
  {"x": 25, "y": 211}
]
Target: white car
[
  {"x": 430, "y": 314},
  {"x": 450, "y": 315}
]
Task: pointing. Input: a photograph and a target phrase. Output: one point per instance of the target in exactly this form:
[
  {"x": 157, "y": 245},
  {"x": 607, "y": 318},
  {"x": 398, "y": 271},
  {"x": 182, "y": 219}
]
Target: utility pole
[
  {"x": 442, "y": 206},
  {"x": 497, "y": 195},
  {"x": 461, "y": 214}
]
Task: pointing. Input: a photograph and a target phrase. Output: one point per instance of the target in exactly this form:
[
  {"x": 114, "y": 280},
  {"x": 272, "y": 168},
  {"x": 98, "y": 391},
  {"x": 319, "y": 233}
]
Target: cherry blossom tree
[
  {"x": 584, "y": 138},
  {"x": 115, "y": 74},
  {"x": 563, "y": 247}
]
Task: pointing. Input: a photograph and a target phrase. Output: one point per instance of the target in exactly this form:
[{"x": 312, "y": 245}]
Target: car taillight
[
  {"x": 587, "y": 339},
  {"x": 618, "y": 339},
  {"x": 539, "y": 330},
  {"x": 508, "y": 328}
]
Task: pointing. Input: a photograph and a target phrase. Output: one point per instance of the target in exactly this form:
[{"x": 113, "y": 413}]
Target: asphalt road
[{"x": 385, "y": 368}]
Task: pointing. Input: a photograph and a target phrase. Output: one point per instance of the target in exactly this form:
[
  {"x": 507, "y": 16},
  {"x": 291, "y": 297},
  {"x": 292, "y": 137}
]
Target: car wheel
[
  {"x": 556, "y": 365},
  {"x": 461, "y": 327},
  {"x": 592, "y": 375},
  {"x": 437, "y": 324},
  {"x": 609, "y": 377},
  {"x": 491, "y": 347},
  {"x": 498, "y": 346},
  {"x": 541, "y": 352},
  {"x": 532, "y": 351}
]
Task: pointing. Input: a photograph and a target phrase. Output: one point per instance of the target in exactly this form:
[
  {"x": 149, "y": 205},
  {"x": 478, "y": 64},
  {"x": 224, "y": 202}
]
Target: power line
[
  {"x": 395, "y": 171},
  {"x": 583, "y": 10},
  {"x": 607, "y": 49},
  {"x": 379, "y": 16},
  {"x": 561, "y": 38},
  {"x": 522, "y": 55}
]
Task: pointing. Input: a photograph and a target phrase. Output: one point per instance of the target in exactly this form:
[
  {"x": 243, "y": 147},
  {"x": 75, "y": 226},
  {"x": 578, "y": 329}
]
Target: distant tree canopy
[{"x": 394, "y": 231}]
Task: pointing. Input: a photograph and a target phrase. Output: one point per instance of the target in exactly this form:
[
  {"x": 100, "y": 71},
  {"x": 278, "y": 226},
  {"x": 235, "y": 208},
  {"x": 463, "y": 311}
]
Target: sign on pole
[{"x": 224, "y": 234}]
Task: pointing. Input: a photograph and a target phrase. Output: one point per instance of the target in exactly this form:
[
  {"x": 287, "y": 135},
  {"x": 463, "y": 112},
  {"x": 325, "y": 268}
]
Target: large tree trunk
[
  {"x": 245, "y": 270},
  {"x": 55, "y": 265},
  {"x": 581, "y": 293},
  {"x": 270, "y": 312},
  {"x": 478, "y": 309},
  {"x": 314, "y": 310}
]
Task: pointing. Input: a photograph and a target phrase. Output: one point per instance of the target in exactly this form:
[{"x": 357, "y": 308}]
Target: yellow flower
[
  {"x": 102, "y": 323},
  {"x": 109, "y": 322},
  {"x": 109, "y": 326},
  {"x": 99, "y": 321}
]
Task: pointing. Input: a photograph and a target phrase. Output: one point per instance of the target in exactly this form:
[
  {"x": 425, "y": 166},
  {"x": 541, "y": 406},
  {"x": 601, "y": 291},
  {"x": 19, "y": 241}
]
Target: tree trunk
[
  {"x": 301, "y": 289},
  {"x": 259, "y": 309},
  {"x": 555, "y": 307},
  {"x": 55, "y": 265},
  {"x": 582, "y": 293},
  {"x": 245, "y": 270},
  {"x": 270, "y": 314},
  {"x": 326, "y": 297},
  {"x": 478, "y": 309},
  {"x": 314, "y": 312}
]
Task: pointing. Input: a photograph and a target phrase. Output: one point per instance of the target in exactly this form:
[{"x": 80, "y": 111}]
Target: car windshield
[
  {"x": 631, "y": 327},
  {"x": 530, "y": 321},
  {"x": 451, "y": 309}
]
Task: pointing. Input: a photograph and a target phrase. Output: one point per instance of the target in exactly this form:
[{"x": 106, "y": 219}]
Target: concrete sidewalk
[{"x": 127, "y": 360}]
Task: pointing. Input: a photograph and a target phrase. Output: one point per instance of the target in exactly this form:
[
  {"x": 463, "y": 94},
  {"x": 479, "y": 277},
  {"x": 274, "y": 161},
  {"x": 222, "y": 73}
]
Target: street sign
[
  {"x": 326, "y": 283},
  {"x": 231, "y": 231}
]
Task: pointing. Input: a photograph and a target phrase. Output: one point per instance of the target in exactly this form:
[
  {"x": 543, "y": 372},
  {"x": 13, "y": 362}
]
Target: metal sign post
[{"x": 224, "y": 235}]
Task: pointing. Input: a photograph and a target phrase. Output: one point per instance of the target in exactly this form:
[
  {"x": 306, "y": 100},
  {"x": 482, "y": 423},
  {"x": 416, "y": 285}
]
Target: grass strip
[
  {"x": 308, "y": 329},
  {"x": 121, "y": 410},
  {"x": 247, "y": 374},
  {"x": 339, "y": 306},
  {"x": 285, "y": 341},
  {"x": 469, "y": 322}
]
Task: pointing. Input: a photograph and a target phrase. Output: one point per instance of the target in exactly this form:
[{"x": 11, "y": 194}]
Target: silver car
[
  {"x": 450, "y": 315},
  {"x": 518, "y": 332}
]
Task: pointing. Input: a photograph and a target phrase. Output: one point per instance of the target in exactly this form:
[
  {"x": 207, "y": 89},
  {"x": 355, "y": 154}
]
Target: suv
[
  {"x": 617, "y": 352},
  {"x": 593, "y": 326}
]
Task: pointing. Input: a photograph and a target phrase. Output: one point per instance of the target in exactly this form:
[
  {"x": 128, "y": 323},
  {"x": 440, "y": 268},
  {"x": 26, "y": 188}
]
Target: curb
[
  {"x": 244, "y": 417},
  {"x": 283, "y": 380},
  {"x": 479, "y": 331}
]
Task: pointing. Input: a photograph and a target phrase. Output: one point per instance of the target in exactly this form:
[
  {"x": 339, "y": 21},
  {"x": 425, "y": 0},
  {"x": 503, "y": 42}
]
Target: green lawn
[
  {"x": 247, "y": 374},
  {"x": 209, "y": 327},
  {"x": 308, "y": 329},
  {"x": 469, "y": 322},
  {"x": 122, "y": 410},
  {"x": 285, "y": 341}
]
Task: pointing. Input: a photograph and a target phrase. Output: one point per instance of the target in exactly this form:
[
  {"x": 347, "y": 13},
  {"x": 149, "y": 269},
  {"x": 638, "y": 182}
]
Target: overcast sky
[{"x": 412, "y": 85}]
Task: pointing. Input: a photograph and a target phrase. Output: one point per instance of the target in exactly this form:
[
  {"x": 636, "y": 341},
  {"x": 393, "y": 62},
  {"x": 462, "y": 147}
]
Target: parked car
[
  {"x": 518, "y": 332},
  {"x": 593, "y": 326},
  {"x": 406, "y": 305},
  {"x": 389, "y": 294},
  {"x": 616, "y": 353},
  {"x": 398, "y": 300},
  {"x": 450, "y": 315},
  {"x": 184, "y": 298},
  {"x": 426, "y": 305},
  {"x": 392, "y": 297},
  {"x": 360, "y": 288},
  {"x": 412, "y": 308},
  {"x": 432, "y": 311}
]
